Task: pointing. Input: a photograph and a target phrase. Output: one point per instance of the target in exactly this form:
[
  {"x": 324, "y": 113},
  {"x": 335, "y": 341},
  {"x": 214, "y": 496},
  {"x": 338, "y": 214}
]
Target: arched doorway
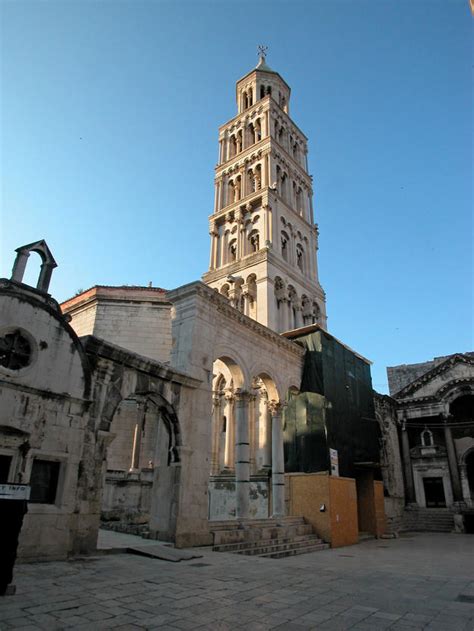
[{"x": 142, "y": 466}]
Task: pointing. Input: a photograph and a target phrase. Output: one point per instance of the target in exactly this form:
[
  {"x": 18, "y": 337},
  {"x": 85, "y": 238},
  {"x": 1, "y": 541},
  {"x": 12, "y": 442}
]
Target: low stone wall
[
  {"x": 127, "y": 497},
  {"x": 222, "y": 497}
]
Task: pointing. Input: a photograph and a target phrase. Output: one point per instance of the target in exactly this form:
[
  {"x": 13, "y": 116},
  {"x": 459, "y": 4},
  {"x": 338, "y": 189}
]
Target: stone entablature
[{"x": 222, "y": 306}]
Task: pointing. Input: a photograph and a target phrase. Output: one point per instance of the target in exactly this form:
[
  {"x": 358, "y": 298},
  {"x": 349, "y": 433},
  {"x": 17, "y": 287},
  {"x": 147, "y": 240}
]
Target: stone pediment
[{"x": 458, "y": 368}]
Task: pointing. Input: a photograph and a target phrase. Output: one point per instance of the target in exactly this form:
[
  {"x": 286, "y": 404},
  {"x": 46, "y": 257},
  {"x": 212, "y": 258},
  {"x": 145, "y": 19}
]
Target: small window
[
  {"x": 15, "y": 351},
  {"x": 224, "y": 424},
  {"x": 5, "y": 463},
  {"x": 44, "y": 481}
]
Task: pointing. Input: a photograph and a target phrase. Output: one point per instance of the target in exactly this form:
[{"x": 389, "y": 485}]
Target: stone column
[
  {"x": 216, "y": 416},
  {"x": 239, "y": 220},
  {"x": 137, "y": 437},
  {"x": 213, "y": 234},
  {"x": 229, "y": 415},
  {"x": 409, "y": 483},
  {"x": 242, "y": 464},
  {"x": 19, "y": 266},
  {"x": 298, "y": 316},
  {"x": 466, "y": 491},
  {"x": 267, "y": 448},
  {"x": 278, "y": 461},
  {"x": 452, "y": 461}
]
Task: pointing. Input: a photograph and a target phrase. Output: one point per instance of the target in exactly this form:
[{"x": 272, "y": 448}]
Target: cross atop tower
[{"x": 262, "y": 52}]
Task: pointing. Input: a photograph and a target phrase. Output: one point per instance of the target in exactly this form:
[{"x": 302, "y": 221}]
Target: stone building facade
[
  {"x": 48, "y": 436},
  {"x": 432, "y": 404},
  {"x": 171, "y": 404}
]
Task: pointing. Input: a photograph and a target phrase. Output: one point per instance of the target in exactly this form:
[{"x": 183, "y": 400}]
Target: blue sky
[{"x": 109, "y": 127}]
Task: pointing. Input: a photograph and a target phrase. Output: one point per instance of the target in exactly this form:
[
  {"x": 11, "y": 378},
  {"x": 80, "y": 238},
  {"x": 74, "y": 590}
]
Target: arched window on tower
[
  {"x": 278, "y": 179},
  {"x": 254, "y": 241},
  {"x": 300, "y": 257},
  {"x": 258, "y": 177},
  {"x": 262, "y": 91},
  {"x": 299, "y": 201},
  {"x": 239, "y": 141},
  {"x": 284, "y": 245},
  {"x": 232, "y": 146},
  {"x": 231, "y": 192},
  {"x": 250, "y": 97},
  {"x": 258, "y": 130},
  {"x": 252, "y": 182},
  {"x": 284, "y": 184},
  {"x": 316, "y": 313},
  {"x": 251, "y": 133},
  {"x": 232, "y": 251},
  {"x": 237, "y": 188},
  {"x": 245, "y": 103}
]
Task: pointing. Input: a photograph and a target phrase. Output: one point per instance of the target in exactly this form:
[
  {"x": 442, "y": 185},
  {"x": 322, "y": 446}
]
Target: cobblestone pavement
[{"x": 420, "y": 581}]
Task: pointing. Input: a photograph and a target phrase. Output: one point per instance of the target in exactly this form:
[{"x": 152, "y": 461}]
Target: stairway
[
  {"x": 266, "y": 538},
  {"x": 427, "y": 520}
]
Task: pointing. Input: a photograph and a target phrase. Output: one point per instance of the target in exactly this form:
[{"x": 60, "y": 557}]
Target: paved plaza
[{"x": 419, "y": 581}]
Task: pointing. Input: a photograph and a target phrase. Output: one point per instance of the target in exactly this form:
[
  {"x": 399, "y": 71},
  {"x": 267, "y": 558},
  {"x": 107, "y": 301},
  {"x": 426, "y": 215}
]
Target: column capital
[
  {"x": 241, "y": 395},
  {"x": 229, "y": 396},
  {"x": 275, "y": 407},
  {"x": 446, "y": 416}
]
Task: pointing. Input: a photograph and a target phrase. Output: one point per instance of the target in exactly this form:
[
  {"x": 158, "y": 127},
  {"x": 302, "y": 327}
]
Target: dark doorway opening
[
  {"x": 5, "y": 462},
  {"x": 470, "y": 472},
  {"x": 434, "y": 492}
]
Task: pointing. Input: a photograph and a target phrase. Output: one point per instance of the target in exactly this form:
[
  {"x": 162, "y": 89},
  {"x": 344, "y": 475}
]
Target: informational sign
[
  {"x": 334, "y": 458},
  {"x": 15, "y": 491}
]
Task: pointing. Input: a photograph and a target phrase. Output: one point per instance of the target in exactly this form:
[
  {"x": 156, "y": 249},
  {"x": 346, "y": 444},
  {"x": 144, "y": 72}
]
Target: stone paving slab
[{"x": 405, "y": 585}]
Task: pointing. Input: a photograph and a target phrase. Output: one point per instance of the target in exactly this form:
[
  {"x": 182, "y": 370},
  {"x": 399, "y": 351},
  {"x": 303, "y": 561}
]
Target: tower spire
[{"x": 263, "y": 236}]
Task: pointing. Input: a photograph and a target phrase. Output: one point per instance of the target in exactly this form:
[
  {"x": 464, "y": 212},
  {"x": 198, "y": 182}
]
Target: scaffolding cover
[{"x": 334, "y": 409}]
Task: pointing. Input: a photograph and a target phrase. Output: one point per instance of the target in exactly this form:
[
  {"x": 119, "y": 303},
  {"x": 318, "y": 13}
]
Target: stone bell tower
[{"x": 263, "y": 236}]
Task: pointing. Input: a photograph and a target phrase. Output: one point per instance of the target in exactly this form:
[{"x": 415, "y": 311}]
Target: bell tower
[{"x": 263, "y": 236}]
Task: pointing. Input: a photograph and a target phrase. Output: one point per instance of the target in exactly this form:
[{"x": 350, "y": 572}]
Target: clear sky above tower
[{"x": 109, "y": 139}]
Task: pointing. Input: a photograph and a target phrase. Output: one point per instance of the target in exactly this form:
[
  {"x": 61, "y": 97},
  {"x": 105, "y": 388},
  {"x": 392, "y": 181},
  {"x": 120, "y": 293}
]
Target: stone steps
[
  {"x": 274, "y": 547},
  {"x": 427, "y": 520},
  {"x": 294, "y": 551},
  {"x": 268, "y": 538},
  {"x": 247, "y": 546}
]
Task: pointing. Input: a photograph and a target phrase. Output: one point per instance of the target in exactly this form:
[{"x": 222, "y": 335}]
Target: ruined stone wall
[
  {"x": 390, "y": 458},
  {"x": 45, "y": 428}
]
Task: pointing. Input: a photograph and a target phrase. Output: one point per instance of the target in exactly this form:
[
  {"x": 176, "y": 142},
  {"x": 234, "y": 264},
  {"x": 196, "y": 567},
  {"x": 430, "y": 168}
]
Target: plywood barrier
[
  {"x": 380, "y": 523},
  {"x": 343, "y": 508},
  {"x": 327, "y": 502}
]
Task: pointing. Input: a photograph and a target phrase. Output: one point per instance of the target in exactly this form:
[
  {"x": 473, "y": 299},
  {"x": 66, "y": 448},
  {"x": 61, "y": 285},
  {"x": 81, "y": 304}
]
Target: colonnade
[{"x": 238, "y": 450}]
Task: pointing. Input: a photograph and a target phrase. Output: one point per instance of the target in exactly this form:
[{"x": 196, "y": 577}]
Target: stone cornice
[
  {"x": 431, "y": 374},
  {"x": 263, "y": 193},
  {"x": 435, "y": 399},
  {"x": 287, "y": 118},
  {"x": 222, "y": 305},
  {"x": 296, "y": 166},
  {"x": 97, "y": 347},
  {"x": 244, "y": 156},
  {"x": 261, "y": 106},
  {"x": 236, "y": 266}
]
